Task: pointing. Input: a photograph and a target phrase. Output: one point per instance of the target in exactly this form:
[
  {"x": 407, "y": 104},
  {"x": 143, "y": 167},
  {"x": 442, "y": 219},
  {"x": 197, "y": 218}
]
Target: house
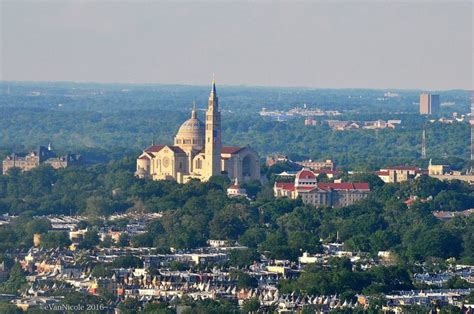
[
  {"x": 236, "y": 190},
  {"x": 399, "y": 173},
  {"x": 321, "y": 194}
]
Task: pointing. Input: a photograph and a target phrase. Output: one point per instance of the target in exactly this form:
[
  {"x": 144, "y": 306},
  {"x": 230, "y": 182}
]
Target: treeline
[
  {"x": 106, "y": 122},
  {"x": 196, "y": 212},
  {"x": 101, "y": 137}
]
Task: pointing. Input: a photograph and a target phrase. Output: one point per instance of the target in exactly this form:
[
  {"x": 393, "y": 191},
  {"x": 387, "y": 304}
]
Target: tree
[
  {"x": 124, "y": 240},
  {"x": 8, "y": 308},
  {"x": 98, "y": 206},
  {"x": 435, "y": 242},
  {"x": 15, "y": 282},
  {"x": 101, "y": 271},
  {"x": 230, "y": 222},
  {"x": 91, "y": 239},
  {"x": 129, "y": 306},
  {"x": 243, "y": 258},
  {"x": 54, "y": 239},
  {"x": 244, "y": 280},
  {"x": 251, "y": 305},
  {"x": 128, "y": 261},
  {"x": 157, "y": 308},
  {"x": 457, "y": 282},
  {"x": 252, "y": 237}
]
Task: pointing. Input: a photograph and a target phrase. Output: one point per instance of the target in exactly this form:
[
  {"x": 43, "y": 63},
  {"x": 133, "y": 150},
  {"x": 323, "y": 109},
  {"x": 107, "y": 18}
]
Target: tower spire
[
  {"x": 212, "y": 148},
  {"x": 213, "y": 89},
  {"x": 193, "y": 112}
]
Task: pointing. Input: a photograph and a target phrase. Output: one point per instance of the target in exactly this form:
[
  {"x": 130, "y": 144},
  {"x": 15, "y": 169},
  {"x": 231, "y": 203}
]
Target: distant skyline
[{"x": 422, "y": 45}]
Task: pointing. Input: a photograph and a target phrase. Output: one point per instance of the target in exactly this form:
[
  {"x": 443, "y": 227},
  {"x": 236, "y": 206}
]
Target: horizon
[{"x": 236, "y": 86}]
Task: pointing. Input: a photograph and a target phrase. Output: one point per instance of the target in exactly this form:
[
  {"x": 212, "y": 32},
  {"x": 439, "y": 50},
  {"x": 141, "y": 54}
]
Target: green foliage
[
  {"x": 101, "y": 271},
  {"x": 243, "y": 258},
  {"x": 15, "y": 282},
  {"x": 340, "y": 278},
  {"x": 91, "y": 239},
  {"x": 157, "y": 308},
  {"x": 55, "y": 239},
  {"x": 129, "y": 306},
  {"x": 8, "y": 308},
  {"x": 212, "y": 307},
  {"x": 127, "y": 261},
  {"x": 124, "y": 240},
  {"x": 251, "y": 305},
  {"x": 244, "y": 280},
  {"x": 457, "y": 282}
]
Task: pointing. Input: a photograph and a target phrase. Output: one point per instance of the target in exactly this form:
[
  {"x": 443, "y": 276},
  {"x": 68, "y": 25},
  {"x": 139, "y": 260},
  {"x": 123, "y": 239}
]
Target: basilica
[{"x": 198, "y": 153}]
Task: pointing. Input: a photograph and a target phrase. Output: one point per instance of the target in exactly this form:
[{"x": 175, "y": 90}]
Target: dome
[
  {"x": 191, "y": 133},
  {"x": 191, "y": 126}
]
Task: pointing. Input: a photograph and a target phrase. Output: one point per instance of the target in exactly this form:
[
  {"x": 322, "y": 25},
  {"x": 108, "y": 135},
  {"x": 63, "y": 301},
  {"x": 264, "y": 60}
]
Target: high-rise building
[{"x": 429, "y": 103}]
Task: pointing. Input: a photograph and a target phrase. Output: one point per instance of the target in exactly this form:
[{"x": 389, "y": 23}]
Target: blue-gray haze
[{"x": 425, "y": 45}]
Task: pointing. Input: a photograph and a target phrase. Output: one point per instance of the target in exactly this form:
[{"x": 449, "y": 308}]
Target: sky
[{"x": 407, "y": 45}]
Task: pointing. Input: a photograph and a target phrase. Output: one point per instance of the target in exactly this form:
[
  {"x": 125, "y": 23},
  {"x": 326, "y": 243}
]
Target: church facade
[
  {"x": 198, "y": 153},
  {"x": 41, "y": 156}
]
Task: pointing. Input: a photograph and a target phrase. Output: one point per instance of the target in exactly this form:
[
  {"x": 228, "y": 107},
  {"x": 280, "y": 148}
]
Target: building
[
  {"x": 41, "y": 156},
  {"x": 317, "y": 165},
  {"x": 399, "y": 173},
  {"x": 275, "y": 159},
  {"x": 321, "y": 194},
  {"x": 429, "y": 103},
  {"x": 434, "y": 170},
  {"x": 198, "y": 153},
  {"x": 236, "y": 190}
]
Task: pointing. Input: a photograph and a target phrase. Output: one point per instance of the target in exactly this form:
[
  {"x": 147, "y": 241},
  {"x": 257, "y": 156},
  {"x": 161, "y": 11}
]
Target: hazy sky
[{"x": 315, "y": 44}]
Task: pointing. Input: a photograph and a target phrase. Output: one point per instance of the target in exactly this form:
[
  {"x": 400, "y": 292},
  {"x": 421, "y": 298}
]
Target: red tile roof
[
  {"x": 230, "y": 149},
  {"x": 176, "y": 149},
  {"x": 154, "y": 148},
  {"x": 157, "y": 148},
  {"x": 305, "y": 174},
  {"x": 289, "y": 186}
]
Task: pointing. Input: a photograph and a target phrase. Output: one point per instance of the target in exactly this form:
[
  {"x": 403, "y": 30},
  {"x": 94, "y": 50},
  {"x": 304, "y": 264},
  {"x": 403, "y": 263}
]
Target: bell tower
[{"x": 213, "y": 143}]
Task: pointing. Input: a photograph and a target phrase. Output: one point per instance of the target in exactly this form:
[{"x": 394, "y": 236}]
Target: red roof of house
[
  {"x": 144, "y": 157},
  {"x": 157, "y": 148},
  {"x": 289, "y": 186},
  {"x": 230, "y": 149},
  {"x": 154, "y": 148},
  {"x": 176, "y": 149},
  {"x": 382, "y": 173},
  {"x": 306, "y": 174}
]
